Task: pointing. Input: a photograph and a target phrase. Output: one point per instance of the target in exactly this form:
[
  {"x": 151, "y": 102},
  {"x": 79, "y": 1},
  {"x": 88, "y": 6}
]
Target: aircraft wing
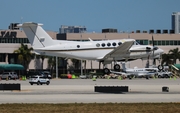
[{"x": 120, "y": 50}]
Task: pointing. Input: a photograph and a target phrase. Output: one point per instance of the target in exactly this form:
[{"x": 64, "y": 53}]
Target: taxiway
[{"x": 82, "y": 91}]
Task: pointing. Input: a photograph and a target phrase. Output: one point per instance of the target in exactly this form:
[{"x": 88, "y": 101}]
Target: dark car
[{"x": 45, "y": 74}]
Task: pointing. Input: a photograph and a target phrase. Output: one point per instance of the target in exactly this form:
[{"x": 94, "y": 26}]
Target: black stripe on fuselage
[{"x": 88, "y": 49}]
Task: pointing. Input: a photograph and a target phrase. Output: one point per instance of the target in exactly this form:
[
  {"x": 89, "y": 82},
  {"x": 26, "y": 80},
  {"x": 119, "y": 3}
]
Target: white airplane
[
  {"x": 140, "y": 72},
  {"x": 137, "y": 72},
  {"x": 104, "y": 51}
]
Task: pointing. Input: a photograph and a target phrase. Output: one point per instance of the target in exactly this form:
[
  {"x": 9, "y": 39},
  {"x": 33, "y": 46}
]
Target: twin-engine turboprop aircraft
[{"x": 104, "y": 51}]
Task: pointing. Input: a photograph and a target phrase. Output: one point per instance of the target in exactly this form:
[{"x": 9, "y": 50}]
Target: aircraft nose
[{"x": 161, "y": 51}]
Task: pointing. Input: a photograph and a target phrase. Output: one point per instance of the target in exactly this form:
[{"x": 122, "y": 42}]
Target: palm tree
[
  {"x": 24, "y": 55},
  {"x": 76, "y": 63},
  {"x": 166, "y": 58},
  {"x": 42, "y": 57},
  {"x": 175, "y": 54},
  {"x": 51, "y": 63}
]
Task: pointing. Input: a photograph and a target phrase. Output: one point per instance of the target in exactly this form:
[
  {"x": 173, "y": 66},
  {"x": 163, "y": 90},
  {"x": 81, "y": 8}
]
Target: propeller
[
  {"x": 154, "y": 48},
  {"x": 147, "y": 63}
]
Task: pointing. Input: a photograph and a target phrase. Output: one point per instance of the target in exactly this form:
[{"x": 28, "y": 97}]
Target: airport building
[{"x": 12, "y": 38}]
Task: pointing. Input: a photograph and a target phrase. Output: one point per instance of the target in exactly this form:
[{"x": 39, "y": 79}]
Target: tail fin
[{"x": 36, "y": 35}]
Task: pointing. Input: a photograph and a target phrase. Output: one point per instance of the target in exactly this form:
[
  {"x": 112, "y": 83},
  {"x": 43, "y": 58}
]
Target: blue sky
[{"x": 124, "y": 15}]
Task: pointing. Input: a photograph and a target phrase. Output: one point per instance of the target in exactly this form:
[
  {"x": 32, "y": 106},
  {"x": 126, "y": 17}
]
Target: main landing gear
[{"x": 116, "y": 68}]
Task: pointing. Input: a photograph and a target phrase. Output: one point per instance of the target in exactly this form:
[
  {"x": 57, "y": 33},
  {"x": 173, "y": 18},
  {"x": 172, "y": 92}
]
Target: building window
[
  {"x": 178, "y": 42},
  {"x": 145, "y": 42},
  {"x": 14, "y": 40},
  {"x": 167, "y": 42},
  {"x": 175, "y": 42},
  {"x": 159, "y": 43},
  {"x": 171, "y": 42},
  {"x": 150, "y": 42},
  {"x": 155, "y": 42},
  {"x": 2, "y": 57},
  {"x": 163, "y": 43}
]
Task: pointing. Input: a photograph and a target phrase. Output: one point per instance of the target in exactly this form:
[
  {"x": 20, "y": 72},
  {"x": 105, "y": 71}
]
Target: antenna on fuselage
[
  {"x": 90, "y": 39},
  {"x": 128, "y": 35}
]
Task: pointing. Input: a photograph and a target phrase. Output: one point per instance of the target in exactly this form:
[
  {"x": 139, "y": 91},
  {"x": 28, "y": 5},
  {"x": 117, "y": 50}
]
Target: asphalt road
[{"x": 82, "y": 91}]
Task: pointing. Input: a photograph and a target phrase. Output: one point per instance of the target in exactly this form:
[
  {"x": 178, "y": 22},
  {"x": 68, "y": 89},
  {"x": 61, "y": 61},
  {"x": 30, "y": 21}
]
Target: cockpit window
[
  {"x": 108, "y": 44},
  {"x": 136, "y": 43},
  {"x": 114, "y": 44},
  {"x": 103, "y": 44},
  {"x": 119, "y": 43}
]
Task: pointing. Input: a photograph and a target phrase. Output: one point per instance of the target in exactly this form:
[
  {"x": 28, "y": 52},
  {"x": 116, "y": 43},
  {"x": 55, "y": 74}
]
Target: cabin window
[
  {"x": 119, "y": 43},
  {"x": 78, "y": 46},
  {"x": 103, "y": 44},
  {"x": 114, "y": 44},
  {"x": 108, "y": 44},
  {"x": 97, "y": 45}
]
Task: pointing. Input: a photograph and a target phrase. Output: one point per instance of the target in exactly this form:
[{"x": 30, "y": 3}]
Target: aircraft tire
[
  {"x": 106, "y": 71},
  {"x": 117, "y": 67},
  {"x": 160, "y": 67}
]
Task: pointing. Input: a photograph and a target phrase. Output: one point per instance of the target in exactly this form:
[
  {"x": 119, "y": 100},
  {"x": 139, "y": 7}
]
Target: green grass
[{"x": 92, "y": 108}]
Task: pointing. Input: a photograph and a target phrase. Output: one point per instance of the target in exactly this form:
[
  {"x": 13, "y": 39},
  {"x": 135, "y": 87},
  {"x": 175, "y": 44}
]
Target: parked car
[
  {"x": 39, "y": 80},
  {"x": 33, "y": 73},
  {"x": 164, "y": 74},
  {"x": 9, "y": 75},
  {"x": 46, "y": 74}
]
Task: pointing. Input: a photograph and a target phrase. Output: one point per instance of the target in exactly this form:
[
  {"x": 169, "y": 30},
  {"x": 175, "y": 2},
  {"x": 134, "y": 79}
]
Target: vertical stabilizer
[{"x": 36, "y": 35}]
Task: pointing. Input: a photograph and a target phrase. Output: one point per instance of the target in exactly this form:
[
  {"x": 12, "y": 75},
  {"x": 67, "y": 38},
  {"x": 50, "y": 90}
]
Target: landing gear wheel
[
  {"x": 117, "y": 67},
  {"x": 106, "y": 71},
  {"x": 38, "y": 83},
  {"x": 147, "y": 77},
  {"x": 160, "y": 67},
  {"x": 47, "y": 83}
]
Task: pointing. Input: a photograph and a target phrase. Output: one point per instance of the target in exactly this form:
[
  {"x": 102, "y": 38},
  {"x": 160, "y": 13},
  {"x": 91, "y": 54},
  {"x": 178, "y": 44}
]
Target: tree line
[{"x": 171, "y": 57}]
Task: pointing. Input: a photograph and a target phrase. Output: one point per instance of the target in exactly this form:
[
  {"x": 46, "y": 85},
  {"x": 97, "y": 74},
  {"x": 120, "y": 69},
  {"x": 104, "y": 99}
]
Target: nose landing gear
[{"x": 117, "y": 67}]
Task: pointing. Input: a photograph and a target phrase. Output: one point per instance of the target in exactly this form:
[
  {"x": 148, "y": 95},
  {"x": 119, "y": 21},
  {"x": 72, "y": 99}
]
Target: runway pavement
[{"x": 82, "y": 91}]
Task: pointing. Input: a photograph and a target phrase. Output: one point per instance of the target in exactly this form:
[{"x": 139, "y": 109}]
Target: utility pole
[
  {"x": 81, "y": 61},
  {"x": 56, "y": 67}
]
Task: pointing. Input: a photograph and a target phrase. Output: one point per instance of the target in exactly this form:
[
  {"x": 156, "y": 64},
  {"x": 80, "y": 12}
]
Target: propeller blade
[
  {"x": 152, "y": 40},
  {"x": 153, "y": 49}
]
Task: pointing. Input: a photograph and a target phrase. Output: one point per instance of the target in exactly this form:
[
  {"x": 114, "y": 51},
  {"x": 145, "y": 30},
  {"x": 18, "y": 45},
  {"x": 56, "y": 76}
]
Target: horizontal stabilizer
[{"x": 36, "y": 35}]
